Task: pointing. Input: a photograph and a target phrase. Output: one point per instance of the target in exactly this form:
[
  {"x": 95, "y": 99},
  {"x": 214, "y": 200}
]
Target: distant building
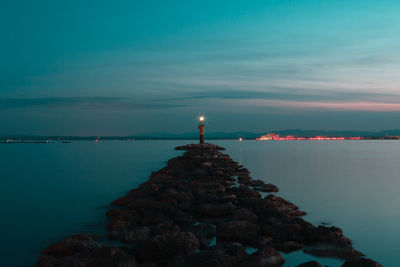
[{"x": 269, "y": 136}]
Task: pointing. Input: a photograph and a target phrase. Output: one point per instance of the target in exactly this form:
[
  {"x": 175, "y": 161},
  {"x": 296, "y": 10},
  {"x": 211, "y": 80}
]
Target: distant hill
[
  {"x": 310, "y": 133},
  {"x": 252, "y": 135},
  {"x": 194, "y": 135},
  {"x": 215, "y": 135}
]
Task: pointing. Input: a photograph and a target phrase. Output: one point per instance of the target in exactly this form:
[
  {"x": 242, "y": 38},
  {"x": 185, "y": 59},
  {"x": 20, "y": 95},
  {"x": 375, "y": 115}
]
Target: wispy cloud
[
  {"x": 84, "y": 102},
  {"x": 287, "y": 94},
  {"x": 321, "y": 105}
]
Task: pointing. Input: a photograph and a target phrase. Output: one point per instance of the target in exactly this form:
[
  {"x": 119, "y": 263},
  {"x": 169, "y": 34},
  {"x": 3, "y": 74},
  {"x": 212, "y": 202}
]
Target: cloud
[
  {"x": 333, "y": 105},
  {"x": 300, "y": 100},
  {"x": 84, "y": 102},
  {"x": 289, "y": 94}
]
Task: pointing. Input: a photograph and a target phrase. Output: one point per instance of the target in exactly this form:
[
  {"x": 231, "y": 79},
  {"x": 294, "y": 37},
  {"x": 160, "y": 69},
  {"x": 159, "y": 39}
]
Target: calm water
[{"x": 50, "y": 191}]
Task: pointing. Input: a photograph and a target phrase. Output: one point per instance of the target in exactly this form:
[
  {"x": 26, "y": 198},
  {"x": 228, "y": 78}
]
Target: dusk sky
[{"x": 126, "y": 67}]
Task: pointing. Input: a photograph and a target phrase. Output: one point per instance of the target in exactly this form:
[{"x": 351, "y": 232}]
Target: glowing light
[
  {"x": 201, "y": 118},
  {"x": 240, "y": 139},
  {"x": 316, "y": 138}
]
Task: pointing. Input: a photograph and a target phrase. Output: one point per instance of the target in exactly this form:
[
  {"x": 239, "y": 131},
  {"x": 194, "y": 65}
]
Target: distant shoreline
[
  {"x": 389, "y": 134},
  {"x": 49, "y": 139}
]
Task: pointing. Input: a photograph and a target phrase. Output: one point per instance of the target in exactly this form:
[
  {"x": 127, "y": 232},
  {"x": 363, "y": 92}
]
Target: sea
[{"x": 53, "y": 190}]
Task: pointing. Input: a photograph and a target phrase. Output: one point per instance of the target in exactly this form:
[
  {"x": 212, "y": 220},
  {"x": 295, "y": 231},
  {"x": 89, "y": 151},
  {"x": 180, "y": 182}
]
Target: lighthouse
[{"x": 201, "y": 128}]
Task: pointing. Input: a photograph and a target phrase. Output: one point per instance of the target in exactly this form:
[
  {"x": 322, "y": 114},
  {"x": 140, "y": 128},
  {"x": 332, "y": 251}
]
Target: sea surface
[{"x": 50, "y": 191}]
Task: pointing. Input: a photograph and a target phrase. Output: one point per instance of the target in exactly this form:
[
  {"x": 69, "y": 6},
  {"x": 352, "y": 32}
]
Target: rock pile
[{"x": 203, "y": 209}]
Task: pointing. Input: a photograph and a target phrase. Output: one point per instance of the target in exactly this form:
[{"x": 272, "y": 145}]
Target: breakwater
[{"x": 202, "y": 209}]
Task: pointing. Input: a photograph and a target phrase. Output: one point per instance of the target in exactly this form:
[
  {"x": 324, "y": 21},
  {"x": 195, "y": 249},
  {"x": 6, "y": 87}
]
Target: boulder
[
  {"x": 288, "y": 246},
  {"x": 205, "y": 146},
  {"x": 85, "y": 251},
  {"x": 137, "y": 235},
  {"x": 221, "y": 255},
  {"x": 310, "y": 264},
  {"x": 273, "y": 203},
  {"x": 263, "y": 257},
  {"x": 238, "y": 231},
  {"x": 204, "y": 232},
  {"x": 267, "y": 188},
  {"x": 167, "y": 246},
  {"x": 361, "y": 262},
  {"x": 211, "y": 211},
  {"x": 333, "y": 251},
  {"x": 244, "y": 214}
]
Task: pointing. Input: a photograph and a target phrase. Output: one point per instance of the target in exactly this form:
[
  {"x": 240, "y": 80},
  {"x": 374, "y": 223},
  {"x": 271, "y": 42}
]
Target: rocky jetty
[{"x": 203, "y": 209}]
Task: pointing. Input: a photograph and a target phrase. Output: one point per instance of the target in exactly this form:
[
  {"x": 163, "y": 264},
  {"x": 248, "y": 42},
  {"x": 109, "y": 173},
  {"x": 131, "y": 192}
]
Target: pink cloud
[{"x": 346, "y": 106}]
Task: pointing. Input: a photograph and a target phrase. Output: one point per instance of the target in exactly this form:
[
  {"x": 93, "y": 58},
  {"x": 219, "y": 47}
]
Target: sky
[{"x": 127, "y": 67}]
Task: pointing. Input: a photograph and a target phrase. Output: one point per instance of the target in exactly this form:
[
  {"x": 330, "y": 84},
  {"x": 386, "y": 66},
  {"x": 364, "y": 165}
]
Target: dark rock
[
  {"x": 288, "y": 246},
  {"x": 238, "y": 231},
  {"x": 257, "y": 183},
  {"x": 264, "y": 257},
  {"x": 165, "y": 247},
  {"x": 244, "y": 214},
  {"x": 331, "y": 250},
  {"x": 141, "y": 234},
  {"x": 273, "y": 203},
  {"x": 267, "y": 188},
  {"x": 204, "y": 232},
  {"x": 205, "y": 146},
  {"x": 212, "y": 187},
  {"x": 245, "y": 192},
  {"x": 263, "y": 241},
  {"x": 210, "y": 211},
  {"x": 84, "y": 250},
  {"x": 221, "y": 255},
  {"x": 244, "y": 179},
  {"x": 361, "y": 262},
  {"x": 310, "y": 264},
  {"x": 225, "y": 198}
]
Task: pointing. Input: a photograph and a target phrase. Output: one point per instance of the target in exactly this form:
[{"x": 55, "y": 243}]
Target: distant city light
[{"x": 276, "y": 137}]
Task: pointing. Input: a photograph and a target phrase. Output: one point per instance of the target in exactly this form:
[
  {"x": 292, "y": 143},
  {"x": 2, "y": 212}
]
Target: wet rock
[
  {"x": 273, "y": 203},
  {"x": 84, "y": 250},
  {"x": 211, "y": 187},
  {"x": 204, "y": 232},
  {"x": 310, "y": 264},
  {"x": 264, "y": 257},
  {"x": 221, "y": 255},
  {"x": 257, "y": 183},
  {"x": 225, "y": 198},
  {"x": 205, "y": 146},
  {"x": 211, "y": 211},
  {"x": 244, "y": 214},
  {"x": 263, "y": 241},
  {"x": 245, "y": 192},
  {"x": 206, "y": 164},
  {"x": 288, "y": 246},
  {"x": 332, "y": 250},
  {"x": 361, "y": 262},
  {"x": 165, "y": 247},
  {"x": 244, "y": 179},
  {"x": 267, "y": 188},
  {"x": 238, "y": 231},
  {"x": 141, "y": 234}
]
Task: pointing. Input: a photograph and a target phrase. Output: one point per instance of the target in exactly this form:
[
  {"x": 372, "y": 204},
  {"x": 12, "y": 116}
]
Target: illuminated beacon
[{"x": 201, "y": 128}]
